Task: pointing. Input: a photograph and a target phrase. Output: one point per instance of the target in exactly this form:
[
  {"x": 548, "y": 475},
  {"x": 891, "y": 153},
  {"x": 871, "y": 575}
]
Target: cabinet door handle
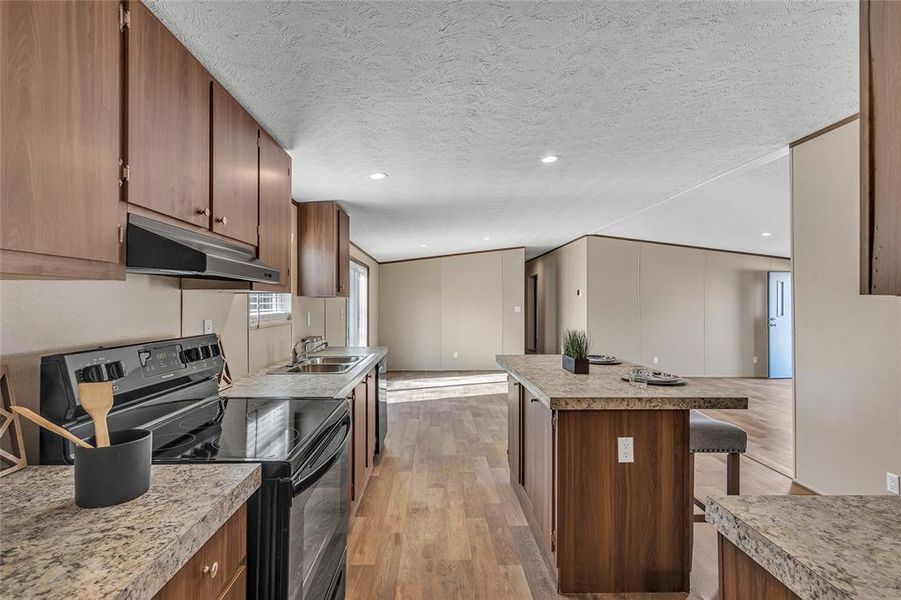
[
  {"x": 222, "y": 220},
  {"x": 211, "y": 571},
  {"x": 203, "y": 211}
]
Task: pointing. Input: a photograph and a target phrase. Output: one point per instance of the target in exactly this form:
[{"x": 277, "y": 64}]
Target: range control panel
[{"x": 135, "y": 371}]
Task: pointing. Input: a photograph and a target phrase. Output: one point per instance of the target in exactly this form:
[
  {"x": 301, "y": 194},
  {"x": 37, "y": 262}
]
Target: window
[
  {"x": 358, "y": 306},
  {"x": 266, "y": 307}
]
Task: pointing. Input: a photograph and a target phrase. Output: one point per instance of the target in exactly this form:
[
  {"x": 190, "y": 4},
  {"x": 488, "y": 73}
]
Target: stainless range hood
[{"x": 158, "y": 248}]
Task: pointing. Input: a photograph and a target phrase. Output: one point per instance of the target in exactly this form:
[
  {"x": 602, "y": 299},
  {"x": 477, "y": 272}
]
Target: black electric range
[{"x": 297, "y": 520}]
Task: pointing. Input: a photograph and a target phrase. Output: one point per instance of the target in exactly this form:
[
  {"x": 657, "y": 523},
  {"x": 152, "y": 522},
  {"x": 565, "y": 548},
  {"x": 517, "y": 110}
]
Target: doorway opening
[
  {"x": 358, "y": 305},
  {"x": 532, "y": 314}
]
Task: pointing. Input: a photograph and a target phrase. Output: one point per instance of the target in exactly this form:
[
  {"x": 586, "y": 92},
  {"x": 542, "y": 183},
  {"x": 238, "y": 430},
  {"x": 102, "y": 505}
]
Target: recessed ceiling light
[
  {"x": 422, "y": 245},
  {"x": 486, "y": 238},
  {"x": 550, "y": 159},
  {"x": 766, "y": 234},
  {"x": 378, "y": 175}
]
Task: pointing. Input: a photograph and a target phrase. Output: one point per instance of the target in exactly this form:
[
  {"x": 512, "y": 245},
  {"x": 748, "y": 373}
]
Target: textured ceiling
[{"x": 458, "y": 101}]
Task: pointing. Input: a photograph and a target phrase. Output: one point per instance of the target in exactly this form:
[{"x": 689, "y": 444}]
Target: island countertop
[
  {"x": 50, "y": 548},
  {"x": 824, "y": 547},
  {"x": 308, "y": 385},
  {"x": 603, "y": 388}
]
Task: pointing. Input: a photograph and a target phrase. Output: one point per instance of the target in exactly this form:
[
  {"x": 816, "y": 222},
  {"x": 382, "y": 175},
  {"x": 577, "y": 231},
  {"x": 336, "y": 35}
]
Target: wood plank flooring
[{"x": 439, "y": 518}]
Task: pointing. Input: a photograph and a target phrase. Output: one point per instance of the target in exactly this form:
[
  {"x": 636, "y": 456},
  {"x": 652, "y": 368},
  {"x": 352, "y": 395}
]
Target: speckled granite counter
[
  {"x": 50, "y": 548},
  {"x": 824, "y": 547},
  {"x": 308, "y": 385},
  {"x": 603, "y": 388}
]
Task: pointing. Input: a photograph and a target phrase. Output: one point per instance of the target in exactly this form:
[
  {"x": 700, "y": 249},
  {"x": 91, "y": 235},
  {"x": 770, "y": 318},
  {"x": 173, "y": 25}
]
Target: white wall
[
  {"x": 613, "y": 297},
  {"x": 847, "y": 349},
  {"x": 562, "y": 293},
  {"x": 465, "y": 304}
]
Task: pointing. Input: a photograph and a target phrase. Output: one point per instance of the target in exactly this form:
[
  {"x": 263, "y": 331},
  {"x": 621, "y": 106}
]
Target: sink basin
[
  {"x": 333, "y": 360},
  {"x": 315, "y": 368}
]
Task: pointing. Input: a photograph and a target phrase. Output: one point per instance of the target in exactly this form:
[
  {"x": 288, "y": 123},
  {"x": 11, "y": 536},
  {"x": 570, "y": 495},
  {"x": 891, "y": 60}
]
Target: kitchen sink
[{"x": 333, "y": 360}]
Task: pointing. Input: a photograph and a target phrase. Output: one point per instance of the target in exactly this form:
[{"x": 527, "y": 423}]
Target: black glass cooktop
[{"x": 240, "y": 429}]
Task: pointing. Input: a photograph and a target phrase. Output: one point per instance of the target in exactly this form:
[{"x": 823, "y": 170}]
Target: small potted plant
[{"x": 575, "y": 351}]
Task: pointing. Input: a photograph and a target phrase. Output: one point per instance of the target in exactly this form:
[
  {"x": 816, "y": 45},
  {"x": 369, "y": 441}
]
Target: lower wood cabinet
[
  {"x": 363, "y": 409},
  {"x": 218, "y": 570},
  {"x": 538, "y": 481},
  {"x": 743, "y": 579},
  {"x": 514, "y": 430}
]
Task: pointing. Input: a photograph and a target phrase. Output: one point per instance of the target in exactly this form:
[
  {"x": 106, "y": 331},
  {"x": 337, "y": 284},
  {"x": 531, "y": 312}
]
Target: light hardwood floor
[{"x": 439, "y": 518}]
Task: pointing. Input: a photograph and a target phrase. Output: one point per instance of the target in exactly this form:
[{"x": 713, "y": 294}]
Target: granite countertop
[
  {"x": 604, "y": 389},
  {"x": 50, "y": 548},
  {"x": 308, "y": 385},
  {"x": 824, "y": 547}
]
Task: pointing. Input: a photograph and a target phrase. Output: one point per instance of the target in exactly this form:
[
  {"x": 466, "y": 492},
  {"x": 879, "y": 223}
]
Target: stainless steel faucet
[{"x": 310, "y": 344}]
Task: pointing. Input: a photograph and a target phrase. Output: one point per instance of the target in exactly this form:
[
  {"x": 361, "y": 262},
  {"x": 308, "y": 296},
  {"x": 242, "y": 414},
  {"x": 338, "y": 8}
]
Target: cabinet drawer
[{"x": 214, "y": 566}]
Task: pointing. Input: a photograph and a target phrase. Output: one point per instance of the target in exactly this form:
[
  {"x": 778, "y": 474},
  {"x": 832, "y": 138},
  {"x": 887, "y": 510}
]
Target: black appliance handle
[{"x": 312, "y": 473}]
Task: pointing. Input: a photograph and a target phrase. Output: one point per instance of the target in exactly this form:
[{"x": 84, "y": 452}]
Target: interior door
[{"x": 779, "y": 292}]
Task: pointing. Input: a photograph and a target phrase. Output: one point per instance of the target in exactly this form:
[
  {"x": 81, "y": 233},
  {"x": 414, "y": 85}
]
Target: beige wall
[
  {"x": 700, "y": 312},
  {"x": 44, "y": 317},
  {"x": 466, "y": 304},
  {"x": 562, "y": 292},
  {"x": 228, "y": 312},
  {"x": 847, "y": 375}
]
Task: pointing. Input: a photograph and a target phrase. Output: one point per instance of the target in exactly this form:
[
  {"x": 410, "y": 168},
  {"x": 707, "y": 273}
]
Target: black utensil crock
[{"x": 115, "y": 474}]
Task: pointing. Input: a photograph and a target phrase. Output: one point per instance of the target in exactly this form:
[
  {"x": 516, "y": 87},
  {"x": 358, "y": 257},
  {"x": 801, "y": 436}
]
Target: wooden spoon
[
  {"x": 97, "y": 400},
  {"x": 32, "y": 416}
]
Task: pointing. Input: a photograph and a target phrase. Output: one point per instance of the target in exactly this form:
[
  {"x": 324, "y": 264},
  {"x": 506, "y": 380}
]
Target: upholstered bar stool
[{"x": 712, "y": 435}]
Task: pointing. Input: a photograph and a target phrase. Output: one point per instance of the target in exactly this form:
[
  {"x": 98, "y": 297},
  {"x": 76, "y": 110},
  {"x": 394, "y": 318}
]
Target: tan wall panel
[
  {"x": 336, "y": 321},
  {"x": 471, "y": 305},
  {"x": 410, "y": 314},
  {"x": 373, "y": 293},
  {"x": 847, "y": 382},
  {"x": 229, "y": 315},
  {"x": 672, "y": 308},
  {"x": 513, "y": 322},
  {"x": 268, "y": 346},
  {"x": 613, "y": 297}
]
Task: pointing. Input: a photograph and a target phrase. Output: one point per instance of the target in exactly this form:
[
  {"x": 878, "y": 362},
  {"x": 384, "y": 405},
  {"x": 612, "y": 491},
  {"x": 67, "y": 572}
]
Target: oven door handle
[{"x": 311, "y": 473}]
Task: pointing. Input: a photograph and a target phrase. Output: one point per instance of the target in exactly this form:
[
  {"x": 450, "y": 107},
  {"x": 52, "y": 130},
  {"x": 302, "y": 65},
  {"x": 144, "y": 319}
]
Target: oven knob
[
  {"x": 192, "y": 355},
  {"x": 94, "y": 374},
  {"x": 116, "y": 370}
]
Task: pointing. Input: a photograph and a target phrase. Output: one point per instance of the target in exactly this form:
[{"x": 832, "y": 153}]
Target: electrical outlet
[
  {"x": 756, "y": 360},
  {"x": 309, "y": 319},
  {"x": 891, "y": 483},
  {"x": 625, "y": 451},
  {"x": 656, "y": 360},
  {"x": 208, "y": 326},
  {"x": 455, "y": 355}
]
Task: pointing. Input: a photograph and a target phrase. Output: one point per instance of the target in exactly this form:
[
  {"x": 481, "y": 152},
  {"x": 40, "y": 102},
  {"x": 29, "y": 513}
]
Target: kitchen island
[
  {"x": 606, "y": 520},
  {"x": 823, "y": 547}
]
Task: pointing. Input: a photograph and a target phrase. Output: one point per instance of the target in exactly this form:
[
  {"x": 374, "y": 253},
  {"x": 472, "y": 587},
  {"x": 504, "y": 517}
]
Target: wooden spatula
[
  {"x": 97, "y": 400},
  {"x": 32, "y": 416}
]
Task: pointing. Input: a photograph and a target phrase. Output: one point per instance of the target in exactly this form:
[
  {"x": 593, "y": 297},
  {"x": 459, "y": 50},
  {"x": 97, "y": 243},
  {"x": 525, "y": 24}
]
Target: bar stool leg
[{"x": 733, "y": 473}]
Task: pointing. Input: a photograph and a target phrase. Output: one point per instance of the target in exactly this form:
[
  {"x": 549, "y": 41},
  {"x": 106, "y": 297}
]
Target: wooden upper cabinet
[
  {"x": 275, "y": 211},
  {"x": 323, "y": 247},
  {"x": 168, "y": 122},
  {"x": 235, "y": 146},
  {"x": 61, "y": 122},
  {"x": 880, "y": 158}
]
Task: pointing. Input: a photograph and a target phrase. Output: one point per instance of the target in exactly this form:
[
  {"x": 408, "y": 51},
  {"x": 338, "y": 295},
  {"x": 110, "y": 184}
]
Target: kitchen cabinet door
[
  {"x": 275, "y": 212},
  {"x": 60, "y": 114},
  {"x": 323, "y": 250},
  {"x": 880, "y": 158},
  {"x": 371, "y": 416},
  {"x": 235, "y": 156},
  {"x": 538, "y": 463},
  {"x": 360, "y": 467},
  {"x": 168, "y": 122},
  {"x": 343, "y": 253},
  {"x": 514, "y": 430}
]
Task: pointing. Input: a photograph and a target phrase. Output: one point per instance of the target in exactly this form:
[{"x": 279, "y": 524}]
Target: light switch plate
[
  {"x": 625, "y": 450},
  {"x": 891, "y": 483},
  {"x": 656, "y": 360},
  {"x": 756, "y": 360},
  {"x": 455, "y": 355},
  {"x": 208, "y": 326},
  {"x": 517, "y": 309}
]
